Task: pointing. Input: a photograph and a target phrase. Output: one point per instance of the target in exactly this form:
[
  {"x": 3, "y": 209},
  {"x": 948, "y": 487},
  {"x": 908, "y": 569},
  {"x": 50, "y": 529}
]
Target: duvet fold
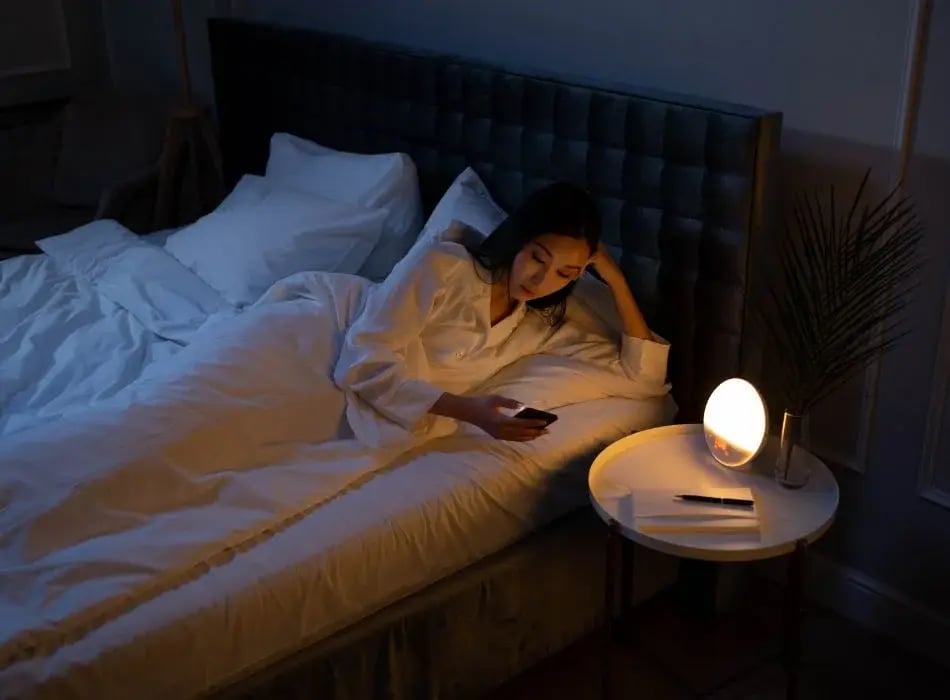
[{"x": 82, "y": 322}]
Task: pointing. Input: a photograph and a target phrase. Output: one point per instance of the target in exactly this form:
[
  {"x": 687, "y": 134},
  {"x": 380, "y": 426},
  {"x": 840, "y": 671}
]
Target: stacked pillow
[
  {"x": 385, "y": 181},
  {"x": 321, "y": 209},
  {"x": 315, "y": 209},
  {"x": 262, "y": 234}
]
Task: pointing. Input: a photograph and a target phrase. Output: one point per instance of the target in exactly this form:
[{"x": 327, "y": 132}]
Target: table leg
[
  {"x": 610, "y": 598},
  {"x": 625, "y": 622},
  {"x": 626, "y": 581},
  {"x": 794, "y": 596}
]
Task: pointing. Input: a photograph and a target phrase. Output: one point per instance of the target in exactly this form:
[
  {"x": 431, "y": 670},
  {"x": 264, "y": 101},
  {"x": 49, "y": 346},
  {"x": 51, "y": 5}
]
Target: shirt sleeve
[
  {"x": 642, "y": 364},
  {"x": 377, "y": 361}
]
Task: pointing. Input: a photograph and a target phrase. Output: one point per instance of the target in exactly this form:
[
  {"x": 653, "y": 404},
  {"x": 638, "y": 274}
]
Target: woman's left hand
[{"x": 605, "y": 265}]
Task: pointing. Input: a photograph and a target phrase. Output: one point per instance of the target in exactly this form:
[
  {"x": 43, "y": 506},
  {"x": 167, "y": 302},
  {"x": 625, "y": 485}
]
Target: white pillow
[
  {"x": 250, "y": 188},
  {"x": 549, "y": 382},
  {"x": 468, "y": 201},
  {"x": 246, "y": 246},
  {"x": 385, "y": 181}
]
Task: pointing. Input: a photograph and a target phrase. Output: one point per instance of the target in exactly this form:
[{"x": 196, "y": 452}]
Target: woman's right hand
[{"x": 485, "y": 412}]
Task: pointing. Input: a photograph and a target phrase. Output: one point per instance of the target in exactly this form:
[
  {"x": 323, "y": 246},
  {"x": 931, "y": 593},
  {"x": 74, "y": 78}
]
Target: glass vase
[{"x": 792, "y": 468}]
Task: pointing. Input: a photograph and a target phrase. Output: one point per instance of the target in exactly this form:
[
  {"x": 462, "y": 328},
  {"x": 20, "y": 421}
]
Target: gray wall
[
  {"x": 933, "y": 129},
  {"x": 143, "y": 45},
  {"x": 839, "y": 82},
  {"x": 836, "y": 69},
  {"x": 893, "y": 527}
]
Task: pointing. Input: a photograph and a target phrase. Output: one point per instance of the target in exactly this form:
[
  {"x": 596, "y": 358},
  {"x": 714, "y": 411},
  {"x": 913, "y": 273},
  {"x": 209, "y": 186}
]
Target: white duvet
[
  {"x": 81, "y": 322},
  {"x": 108, "y": 506}
]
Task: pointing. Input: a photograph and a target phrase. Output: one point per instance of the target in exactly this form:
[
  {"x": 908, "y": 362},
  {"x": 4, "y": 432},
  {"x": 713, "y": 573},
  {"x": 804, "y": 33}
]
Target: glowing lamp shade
[{"x": 735, "y": 422}]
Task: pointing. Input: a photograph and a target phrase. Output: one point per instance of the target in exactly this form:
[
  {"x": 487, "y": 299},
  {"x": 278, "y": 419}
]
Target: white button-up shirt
[{"x": 427, "y": 330}]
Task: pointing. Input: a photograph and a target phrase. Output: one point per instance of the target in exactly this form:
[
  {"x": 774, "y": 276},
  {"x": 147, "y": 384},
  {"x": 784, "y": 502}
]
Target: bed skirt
[{"x": 467, "y": 634}]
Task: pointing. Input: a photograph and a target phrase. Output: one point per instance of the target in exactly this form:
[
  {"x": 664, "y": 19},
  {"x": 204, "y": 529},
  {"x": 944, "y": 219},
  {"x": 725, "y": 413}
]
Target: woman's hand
[
  {"x": 605, "y": 265},
  {"x": 485, "y": 412}
]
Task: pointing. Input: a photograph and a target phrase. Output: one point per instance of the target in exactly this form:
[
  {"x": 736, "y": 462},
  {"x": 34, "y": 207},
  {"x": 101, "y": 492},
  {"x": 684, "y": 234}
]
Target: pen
[{"x": 715, "y": 499}]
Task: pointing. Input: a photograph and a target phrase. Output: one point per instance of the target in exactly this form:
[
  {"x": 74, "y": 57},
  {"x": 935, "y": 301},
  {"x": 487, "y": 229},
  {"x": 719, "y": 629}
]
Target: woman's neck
[{"x": 502, "y": 305}]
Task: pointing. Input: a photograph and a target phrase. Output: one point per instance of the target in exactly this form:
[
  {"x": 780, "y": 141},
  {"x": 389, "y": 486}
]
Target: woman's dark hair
[{"x": 561, "y": 208}]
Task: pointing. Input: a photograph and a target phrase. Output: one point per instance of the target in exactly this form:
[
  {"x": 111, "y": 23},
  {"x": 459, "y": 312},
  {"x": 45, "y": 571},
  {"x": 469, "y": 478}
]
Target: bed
[{"x": 448, "y": 571}]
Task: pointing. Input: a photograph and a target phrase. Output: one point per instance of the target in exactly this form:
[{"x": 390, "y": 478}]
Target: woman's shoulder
[
  {"x": 451, "y": 252},
  {"x": 445, "y": 256},
  {"x": 457, "y": 235},
  {"x": 447, "y": 266}
]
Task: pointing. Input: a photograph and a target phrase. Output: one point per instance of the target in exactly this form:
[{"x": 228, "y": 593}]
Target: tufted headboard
[{"x": 682, "y": 184}]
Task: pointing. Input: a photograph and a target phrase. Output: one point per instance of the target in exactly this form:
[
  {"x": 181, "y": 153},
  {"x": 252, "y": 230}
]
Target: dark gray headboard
[{"x": 682, "y": 184}]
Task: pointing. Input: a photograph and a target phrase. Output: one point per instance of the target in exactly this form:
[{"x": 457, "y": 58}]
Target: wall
[
  {"x": 838, "y": 71},
  {"x": 143, "y": 47},
  {"x": 681, "y": 45},
  {"x": 79, "y": 62},
  {"x": 897, "y": 531}
]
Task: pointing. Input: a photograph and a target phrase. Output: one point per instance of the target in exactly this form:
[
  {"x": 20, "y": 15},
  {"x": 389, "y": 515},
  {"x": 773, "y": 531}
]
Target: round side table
[{"x": 676, "y": 458}]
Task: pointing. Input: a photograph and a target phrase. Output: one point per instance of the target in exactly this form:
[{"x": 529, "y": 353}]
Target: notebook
[{"x": 660, "y": 512}]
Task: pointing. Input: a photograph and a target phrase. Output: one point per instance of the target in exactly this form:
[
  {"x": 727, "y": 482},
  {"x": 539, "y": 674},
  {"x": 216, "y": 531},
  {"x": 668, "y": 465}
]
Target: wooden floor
[{"x": 680, "y": 654}]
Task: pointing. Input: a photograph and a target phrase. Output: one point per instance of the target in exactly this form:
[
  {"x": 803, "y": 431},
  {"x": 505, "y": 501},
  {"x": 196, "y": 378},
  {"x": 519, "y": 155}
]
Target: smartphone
[{"x": 536, "y": 414}]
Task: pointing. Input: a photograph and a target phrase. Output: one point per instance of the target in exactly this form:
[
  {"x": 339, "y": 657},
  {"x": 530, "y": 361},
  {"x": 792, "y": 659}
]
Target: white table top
[{"x": 676, "y": 457}]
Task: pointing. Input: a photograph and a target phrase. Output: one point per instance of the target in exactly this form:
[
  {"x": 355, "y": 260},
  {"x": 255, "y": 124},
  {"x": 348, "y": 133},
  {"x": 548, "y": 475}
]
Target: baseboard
[{"x": 874, "y": 605}]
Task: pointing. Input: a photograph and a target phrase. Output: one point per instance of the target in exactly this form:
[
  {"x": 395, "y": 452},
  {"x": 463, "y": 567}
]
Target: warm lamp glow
[{"x": 735, "y": 422}]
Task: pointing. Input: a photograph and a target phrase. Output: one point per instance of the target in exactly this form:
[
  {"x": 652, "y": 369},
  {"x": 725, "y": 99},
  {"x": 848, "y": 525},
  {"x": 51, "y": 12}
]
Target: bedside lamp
[{"x": 735, "y": 423}]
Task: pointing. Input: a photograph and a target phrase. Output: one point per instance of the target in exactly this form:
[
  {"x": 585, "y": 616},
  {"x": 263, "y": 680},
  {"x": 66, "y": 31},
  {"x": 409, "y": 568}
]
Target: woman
[{"x": 450, "y": 316}]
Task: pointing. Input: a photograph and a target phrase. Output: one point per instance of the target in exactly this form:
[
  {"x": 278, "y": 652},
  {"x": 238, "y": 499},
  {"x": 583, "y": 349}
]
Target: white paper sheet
[{"x": 662, "y": 503}]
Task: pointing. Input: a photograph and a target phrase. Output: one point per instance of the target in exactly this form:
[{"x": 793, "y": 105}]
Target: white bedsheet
[
  {"x": 81, "y": 322},
  {"x": 460, "y": 500}
]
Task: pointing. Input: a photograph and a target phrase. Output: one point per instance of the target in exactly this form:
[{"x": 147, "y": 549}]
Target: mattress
[{"x": 405, "y": 528}]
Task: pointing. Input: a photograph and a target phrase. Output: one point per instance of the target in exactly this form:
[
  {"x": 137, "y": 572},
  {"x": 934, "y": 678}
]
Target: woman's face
[{"x": 545, "y": 265}]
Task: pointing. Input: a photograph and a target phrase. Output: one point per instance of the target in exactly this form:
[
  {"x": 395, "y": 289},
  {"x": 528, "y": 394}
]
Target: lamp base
[{"x": 190, "y": 179}]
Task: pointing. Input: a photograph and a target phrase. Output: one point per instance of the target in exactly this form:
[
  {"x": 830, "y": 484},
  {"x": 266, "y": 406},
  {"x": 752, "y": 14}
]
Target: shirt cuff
[{"x": 645, "y": 360}]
